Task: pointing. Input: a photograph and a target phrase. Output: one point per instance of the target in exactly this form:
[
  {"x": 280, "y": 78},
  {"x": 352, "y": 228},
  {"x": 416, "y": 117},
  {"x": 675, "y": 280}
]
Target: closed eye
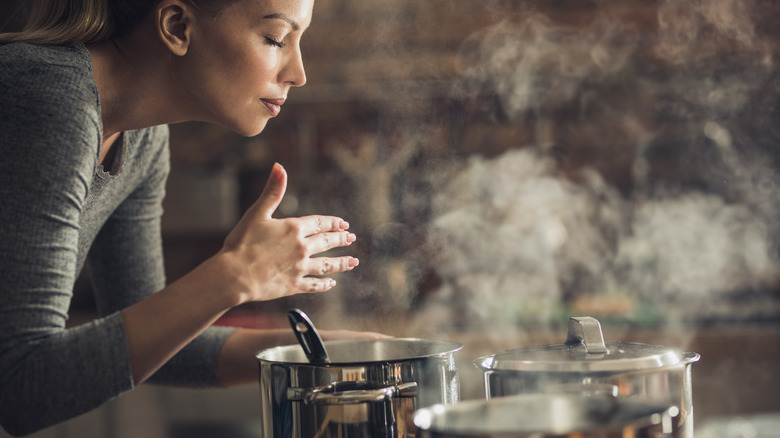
[{"x": 274, "y": 42}]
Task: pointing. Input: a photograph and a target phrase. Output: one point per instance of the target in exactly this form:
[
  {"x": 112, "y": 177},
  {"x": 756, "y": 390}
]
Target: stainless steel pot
[
  {"x": 368, "y": 387},
  {"x": 585, "y": 364},
  {"x": 546, "y": 415}
]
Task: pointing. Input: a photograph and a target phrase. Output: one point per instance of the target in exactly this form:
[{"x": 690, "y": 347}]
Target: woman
[{"x": 86, "y": 91}]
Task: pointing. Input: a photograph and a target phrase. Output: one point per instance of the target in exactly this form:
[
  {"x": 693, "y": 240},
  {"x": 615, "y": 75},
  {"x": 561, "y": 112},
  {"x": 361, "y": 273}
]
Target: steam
[
  {"x": 515, "y": 240},
  {"x": 642, "y": 186},
  {"x": 694, "y": 237},
  {"x": 511, "y": 234}
]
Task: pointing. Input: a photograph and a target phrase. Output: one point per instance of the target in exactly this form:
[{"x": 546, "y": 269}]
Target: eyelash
[{"x": 273, "y": 42}]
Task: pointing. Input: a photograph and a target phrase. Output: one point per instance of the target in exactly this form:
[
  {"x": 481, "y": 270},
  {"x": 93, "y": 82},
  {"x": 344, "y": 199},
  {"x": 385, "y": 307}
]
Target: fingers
[
  {"x": 272, "y": 195},
  {"x": 331, "y": 265},
  {"x": 279, "y": 253},
  {"x": 324, "y": 241},
  {"x": 312, "y": 277},
  {"x": 314, "y": 284},
  {"x": 312, "y": 225}
]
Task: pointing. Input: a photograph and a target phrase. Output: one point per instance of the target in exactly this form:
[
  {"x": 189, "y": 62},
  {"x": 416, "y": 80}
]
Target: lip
[{"x": 274, "y": 105}]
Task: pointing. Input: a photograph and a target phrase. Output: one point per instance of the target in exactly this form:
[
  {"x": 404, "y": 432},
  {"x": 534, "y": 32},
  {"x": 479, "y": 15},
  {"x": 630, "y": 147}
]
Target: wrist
[
  {"x": 233, "y": 275},
  {"x": 221, "y": 275}
]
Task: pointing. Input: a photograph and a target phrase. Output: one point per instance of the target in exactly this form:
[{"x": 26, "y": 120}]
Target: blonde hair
[{"x": 68, "y": 22}]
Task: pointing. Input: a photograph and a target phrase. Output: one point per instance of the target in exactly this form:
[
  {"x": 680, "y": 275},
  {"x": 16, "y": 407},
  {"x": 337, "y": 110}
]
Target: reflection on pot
[{"x": 547, "y": 415}]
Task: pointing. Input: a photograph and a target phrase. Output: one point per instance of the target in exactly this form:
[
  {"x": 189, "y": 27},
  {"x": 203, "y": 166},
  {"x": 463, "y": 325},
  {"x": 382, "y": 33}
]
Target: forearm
[
  {"x": 49, "y": 380},
  {"x": 236, "y": 364},
  {"x": 159, "y": 326}
]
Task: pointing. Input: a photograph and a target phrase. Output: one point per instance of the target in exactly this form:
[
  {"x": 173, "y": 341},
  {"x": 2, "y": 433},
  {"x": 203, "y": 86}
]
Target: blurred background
[{"x": 505, "y": 165}]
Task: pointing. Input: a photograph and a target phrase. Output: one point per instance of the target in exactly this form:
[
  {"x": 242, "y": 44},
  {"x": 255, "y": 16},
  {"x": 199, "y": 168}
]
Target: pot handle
[
  {"x": 586, "y": 330},
  {"x": 339, "y": 394}
]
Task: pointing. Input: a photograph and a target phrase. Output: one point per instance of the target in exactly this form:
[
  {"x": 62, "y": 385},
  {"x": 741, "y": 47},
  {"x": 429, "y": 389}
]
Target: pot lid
[{"x": 586, "y": 351}]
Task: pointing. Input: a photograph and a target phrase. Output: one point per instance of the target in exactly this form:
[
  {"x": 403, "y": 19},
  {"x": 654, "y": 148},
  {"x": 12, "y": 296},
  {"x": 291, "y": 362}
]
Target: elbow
[
  {"x": 12, "y": 429},
  {"x": 19, "y": 416},
  {"x": 16, "y": 426}
]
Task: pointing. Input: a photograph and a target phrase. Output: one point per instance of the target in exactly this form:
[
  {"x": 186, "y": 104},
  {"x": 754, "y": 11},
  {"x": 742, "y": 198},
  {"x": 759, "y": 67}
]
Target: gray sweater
[{"x": 59, "y": 208}]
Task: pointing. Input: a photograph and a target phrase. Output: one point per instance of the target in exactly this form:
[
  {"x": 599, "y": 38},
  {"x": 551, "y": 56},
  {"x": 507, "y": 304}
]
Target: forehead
[{"x": 296, "y": 12}]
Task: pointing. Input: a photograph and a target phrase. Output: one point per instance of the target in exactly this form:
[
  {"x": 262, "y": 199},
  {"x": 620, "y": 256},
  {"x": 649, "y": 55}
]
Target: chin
[{"x": 249, "y": 129}]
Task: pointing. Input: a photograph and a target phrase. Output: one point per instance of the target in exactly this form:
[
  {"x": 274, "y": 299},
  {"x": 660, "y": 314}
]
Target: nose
[{"x": 292, "y": 72}]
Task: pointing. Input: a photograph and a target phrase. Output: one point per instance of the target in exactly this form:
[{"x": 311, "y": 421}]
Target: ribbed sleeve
[{"x": 56, "y": 206}]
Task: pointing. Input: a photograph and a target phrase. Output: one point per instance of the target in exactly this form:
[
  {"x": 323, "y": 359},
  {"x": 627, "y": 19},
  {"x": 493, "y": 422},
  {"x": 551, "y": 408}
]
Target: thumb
[{"x": 272, "y": 195}]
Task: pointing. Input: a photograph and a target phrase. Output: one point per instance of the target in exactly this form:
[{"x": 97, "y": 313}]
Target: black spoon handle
[{"x": 308, "y": 337}]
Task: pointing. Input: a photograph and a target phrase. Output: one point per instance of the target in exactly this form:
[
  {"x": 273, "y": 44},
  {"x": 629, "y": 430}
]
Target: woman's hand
[
  {"x": 263, "y": 258},
  {"x": 271, "y": 258}
]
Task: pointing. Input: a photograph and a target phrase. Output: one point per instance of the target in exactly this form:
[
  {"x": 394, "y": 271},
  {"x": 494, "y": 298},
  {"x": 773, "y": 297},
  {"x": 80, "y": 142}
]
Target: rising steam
[{"x": 667, "y": 205}]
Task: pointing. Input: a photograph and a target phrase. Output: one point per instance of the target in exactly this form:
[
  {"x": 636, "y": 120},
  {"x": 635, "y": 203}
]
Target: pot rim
[{"x": 274, "y": 355}]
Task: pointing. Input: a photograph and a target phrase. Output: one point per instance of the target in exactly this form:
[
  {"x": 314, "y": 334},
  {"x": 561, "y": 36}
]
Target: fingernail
[
  {"x": 277, "y": 174},
  {"x": 331, "y": 283},
  {"x": 353, "y": 262},
  {"x": 351, "y": 237},
  {"x": 343, "y": 225}
]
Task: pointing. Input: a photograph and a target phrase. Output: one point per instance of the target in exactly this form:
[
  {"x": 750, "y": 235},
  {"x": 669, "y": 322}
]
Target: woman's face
[{"x": 240, "y": 65}]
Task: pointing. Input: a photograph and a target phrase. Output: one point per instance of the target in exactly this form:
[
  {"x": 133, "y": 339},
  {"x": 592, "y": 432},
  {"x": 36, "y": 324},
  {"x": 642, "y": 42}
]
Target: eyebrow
[{"x": 292, "y": 23}]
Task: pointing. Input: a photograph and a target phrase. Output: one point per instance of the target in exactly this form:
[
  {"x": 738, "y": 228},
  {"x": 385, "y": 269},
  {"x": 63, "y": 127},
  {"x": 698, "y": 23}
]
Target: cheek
[
  {"x": 248, "y": 77},
  {"x": 259, "y": 69}
]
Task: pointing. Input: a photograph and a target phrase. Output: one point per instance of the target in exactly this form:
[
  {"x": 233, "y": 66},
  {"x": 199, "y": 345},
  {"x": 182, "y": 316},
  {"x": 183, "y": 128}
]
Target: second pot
[{"x": 585, "y": 364}]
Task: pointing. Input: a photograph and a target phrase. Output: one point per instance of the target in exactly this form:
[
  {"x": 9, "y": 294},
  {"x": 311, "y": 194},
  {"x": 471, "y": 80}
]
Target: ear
[{"x": 173, "y": 23}]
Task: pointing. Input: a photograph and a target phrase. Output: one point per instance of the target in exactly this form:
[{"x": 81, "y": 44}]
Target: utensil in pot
[{"x": 308, "y": 337}]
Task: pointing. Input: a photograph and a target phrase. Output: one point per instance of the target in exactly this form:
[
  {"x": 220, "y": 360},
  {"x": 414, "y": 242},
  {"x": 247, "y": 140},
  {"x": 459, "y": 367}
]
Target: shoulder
[
  {"x": 20, "y": 59},
  {"x": 151, "y": 141},
  {"x": 48, "y": 101},
  {"x": 148, "y": 149},
  {"x": 48, "y": 53},
  {"x": 43, "y": 76},
  {"x": 23, "y": 57}
]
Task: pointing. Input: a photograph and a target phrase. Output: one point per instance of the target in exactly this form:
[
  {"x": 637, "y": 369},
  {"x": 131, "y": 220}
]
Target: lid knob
[{"x": 586, "y": 330}]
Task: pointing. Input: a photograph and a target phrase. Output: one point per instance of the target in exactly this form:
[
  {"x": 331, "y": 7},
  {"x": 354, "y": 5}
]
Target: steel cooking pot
[
  {"x": 367, "y": 388},
  {"x": 585, "y": 364},
  {"x": 546, "y": 415}
]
